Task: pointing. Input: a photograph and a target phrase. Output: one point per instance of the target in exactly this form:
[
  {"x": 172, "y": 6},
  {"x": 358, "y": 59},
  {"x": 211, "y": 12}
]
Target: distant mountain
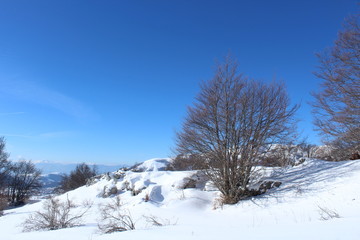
[
  {"x": 66, "y": 168},
  {"x": 52, "y": 172},
  {"x": 51, "y": 180}
]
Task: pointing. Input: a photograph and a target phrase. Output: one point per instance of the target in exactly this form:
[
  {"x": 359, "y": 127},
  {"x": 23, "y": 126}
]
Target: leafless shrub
[
  {"x": 88, "y": 203},
  {"x": 55, "y": 215},
  {"x": 147, "y": 197},
  {"x": 326, "y": 213},
  {"x": 114, "y": 218},
  {"x": 135, "y": 191},
  {"x": 232, "y": 120},
  {"x": 299, "y": 190},
  {"x": 109, "y": 191},
  {"x": 337, "y": 105},
  {"x": 158, "y": 222},
  {"x": 187, "y": 162},
  {"x": 188, "y": 183}
]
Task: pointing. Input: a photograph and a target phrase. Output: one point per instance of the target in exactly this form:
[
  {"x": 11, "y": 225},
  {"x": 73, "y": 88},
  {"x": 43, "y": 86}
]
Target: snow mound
[{"x": 155, "y": 164}]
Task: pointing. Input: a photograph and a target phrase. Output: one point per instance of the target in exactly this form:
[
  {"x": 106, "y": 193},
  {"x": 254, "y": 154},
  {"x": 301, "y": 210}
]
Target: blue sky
[{"x": 109, "y": 81}]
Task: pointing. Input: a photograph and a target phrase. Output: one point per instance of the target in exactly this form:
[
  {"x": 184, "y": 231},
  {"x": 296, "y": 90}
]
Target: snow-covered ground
[
  {"x": 155, "y": 164},
  {"x": 295, "y": 210}
]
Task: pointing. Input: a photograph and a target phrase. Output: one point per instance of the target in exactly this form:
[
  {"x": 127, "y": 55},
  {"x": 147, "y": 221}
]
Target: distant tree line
[{"x": 77, "y": 178}]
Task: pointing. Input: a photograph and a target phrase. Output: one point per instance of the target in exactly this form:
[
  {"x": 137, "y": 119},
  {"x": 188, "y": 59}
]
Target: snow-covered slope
[
  {"x": 155, "y": 164},
  {"x": 295, "y": 210}
]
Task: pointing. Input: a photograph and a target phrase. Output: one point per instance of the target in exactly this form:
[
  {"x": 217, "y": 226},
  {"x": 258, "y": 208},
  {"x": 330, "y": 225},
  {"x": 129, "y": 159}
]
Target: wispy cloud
[
  {"x": 33, "y": 92},
  {"x": 59, "y": 134}
]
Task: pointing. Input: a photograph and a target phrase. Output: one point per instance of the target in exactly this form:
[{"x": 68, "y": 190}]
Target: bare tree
[
  {"x": 4, "y": 163},
  {"x": 3, "y": 203},
  {"x": 337, "y": 104},
  {"x": 24, "y": 181},
  {"x": 4, "y": 173},
  {"x": 231, "y": 121},
  {"x": 77, "y": 177}
]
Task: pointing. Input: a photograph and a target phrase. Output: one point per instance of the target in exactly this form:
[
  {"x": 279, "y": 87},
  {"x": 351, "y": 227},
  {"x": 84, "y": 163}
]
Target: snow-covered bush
[
  {"x": 136, "y": 168},
  {"x": 55, "y": 214},
  {"x": 109, "y": 190},
  {"x": 334, "y": 152},
  {"x": 114, "y": 218},
  {"x": 282, "y": 155},
  {"x": 196, "y": 180}
]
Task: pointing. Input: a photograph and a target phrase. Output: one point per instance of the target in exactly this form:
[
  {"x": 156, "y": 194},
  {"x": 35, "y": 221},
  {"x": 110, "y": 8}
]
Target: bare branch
[
  {"x": 231, "y": 120},
  {"x": 337, "y": 104}
]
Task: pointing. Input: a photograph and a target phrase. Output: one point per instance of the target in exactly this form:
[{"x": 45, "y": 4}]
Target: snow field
[{"x": 295, "y": 210}]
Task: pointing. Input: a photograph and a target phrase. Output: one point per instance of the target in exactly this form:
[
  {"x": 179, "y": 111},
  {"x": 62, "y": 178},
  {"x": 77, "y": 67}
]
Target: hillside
[
  {"x": 317, "y": 200},
  {"x": 155, "y": 164}
]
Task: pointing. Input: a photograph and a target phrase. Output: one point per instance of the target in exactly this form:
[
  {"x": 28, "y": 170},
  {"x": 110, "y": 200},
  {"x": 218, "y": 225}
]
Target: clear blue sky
[{"x": 109, "y": 81}]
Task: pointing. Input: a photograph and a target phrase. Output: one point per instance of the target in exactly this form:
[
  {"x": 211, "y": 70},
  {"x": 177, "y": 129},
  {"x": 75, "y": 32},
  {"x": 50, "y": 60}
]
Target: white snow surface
[
  {"x": 155, "y": 164},
  {"x": 291, "y": 211}
]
